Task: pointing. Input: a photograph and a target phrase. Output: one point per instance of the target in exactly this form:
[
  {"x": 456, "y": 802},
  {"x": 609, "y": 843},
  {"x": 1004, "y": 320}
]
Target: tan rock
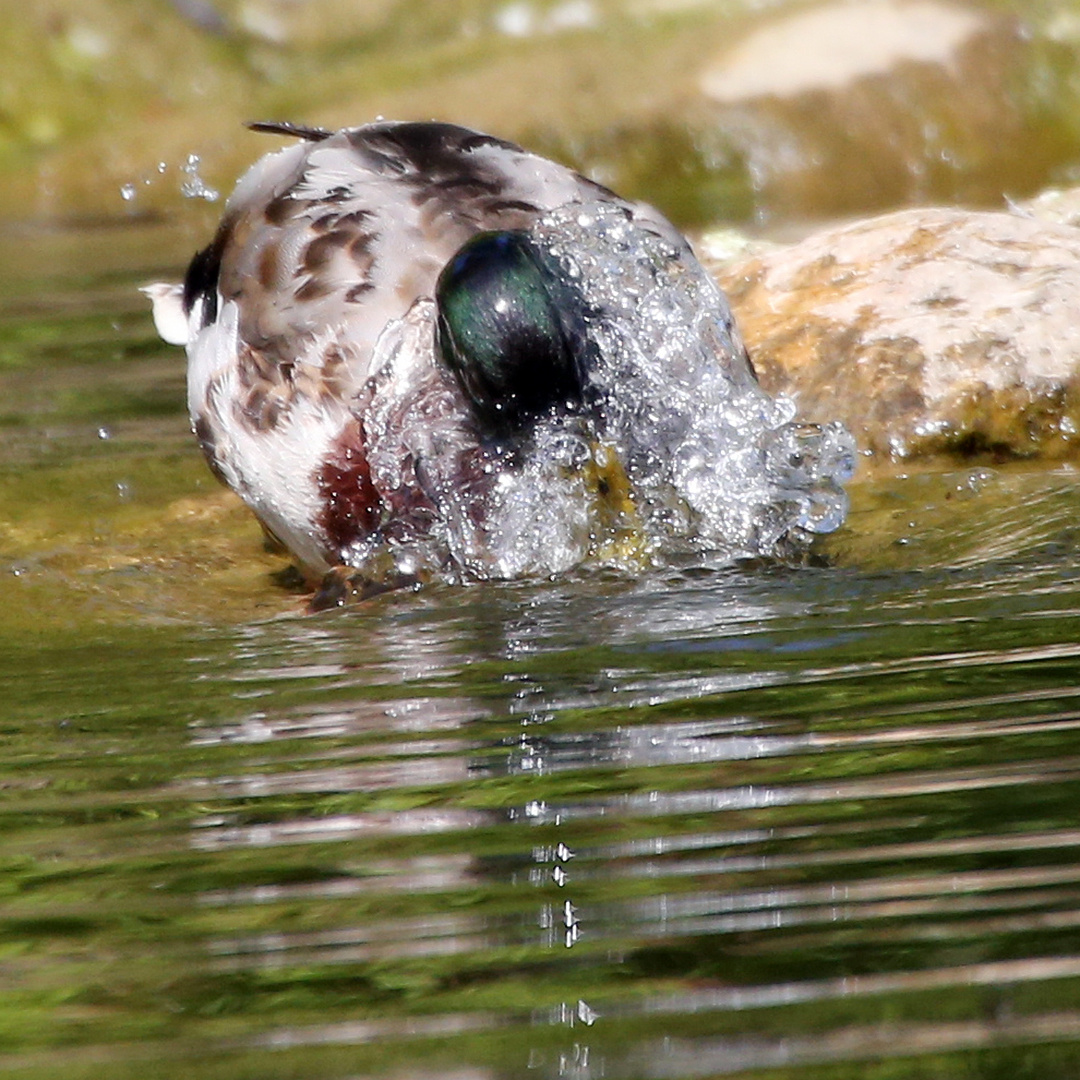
[
  {"x": 850, "y": 106},
  {"x": 831, "y": 46},
  {"x": 927, "y": 331}
]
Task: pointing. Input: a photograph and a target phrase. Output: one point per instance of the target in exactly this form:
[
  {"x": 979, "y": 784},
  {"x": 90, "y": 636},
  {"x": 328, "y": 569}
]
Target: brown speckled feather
[{"x": 346, "y": 231}]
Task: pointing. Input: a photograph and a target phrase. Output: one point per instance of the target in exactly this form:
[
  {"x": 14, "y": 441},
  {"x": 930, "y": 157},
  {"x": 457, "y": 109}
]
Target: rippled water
[{"x": 771, "y": 823}]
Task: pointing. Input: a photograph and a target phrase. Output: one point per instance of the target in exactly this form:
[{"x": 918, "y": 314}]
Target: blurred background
[{"x": 761, "y": 111}]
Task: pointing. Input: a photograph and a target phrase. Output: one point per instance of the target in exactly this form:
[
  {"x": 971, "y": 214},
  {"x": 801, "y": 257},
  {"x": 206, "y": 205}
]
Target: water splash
[
  {"x": 681, "y": 460},
  {"x": 704, "y": 446},
  {"x": 194, "y": 187}
]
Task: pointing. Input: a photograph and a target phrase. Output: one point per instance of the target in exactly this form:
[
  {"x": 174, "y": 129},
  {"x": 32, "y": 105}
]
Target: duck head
[{"x": 512, "y": 330}]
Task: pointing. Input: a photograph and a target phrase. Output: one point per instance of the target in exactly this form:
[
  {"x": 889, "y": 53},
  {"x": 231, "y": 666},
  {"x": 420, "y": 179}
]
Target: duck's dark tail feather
[{"x": 283, "y": 127}]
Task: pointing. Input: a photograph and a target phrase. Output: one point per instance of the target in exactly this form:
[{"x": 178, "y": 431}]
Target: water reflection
[
  {"x": 819, "y": 822},
  {"x": 603, "y": 816}
]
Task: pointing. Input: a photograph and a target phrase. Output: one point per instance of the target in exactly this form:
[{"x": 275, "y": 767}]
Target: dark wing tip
[{"x": 284, "y": 127}]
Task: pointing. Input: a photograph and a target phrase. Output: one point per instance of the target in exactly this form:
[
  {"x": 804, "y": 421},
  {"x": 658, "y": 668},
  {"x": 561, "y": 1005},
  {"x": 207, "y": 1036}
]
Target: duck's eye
[{"x": 511, "y": 330}]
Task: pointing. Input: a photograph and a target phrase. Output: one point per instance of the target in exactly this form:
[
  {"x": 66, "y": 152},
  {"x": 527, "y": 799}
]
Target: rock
[
  {"x": 847, "y": 107},
  {"x": 830, "y": 47},
  {"x": 928, "y": 331},
  {"x": 818, "y": 111}
]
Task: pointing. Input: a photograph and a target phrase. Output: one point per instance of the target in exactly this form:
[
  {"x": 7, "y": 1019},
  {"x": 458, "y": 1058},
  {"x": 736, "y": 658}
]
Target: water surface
[{"x": 764, "y": 823}]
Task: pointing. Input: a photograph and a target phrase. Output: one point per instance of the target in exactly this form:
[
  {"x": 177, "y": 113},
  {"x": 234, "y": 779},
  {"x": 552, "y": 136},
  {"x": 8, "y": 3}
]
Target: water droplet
[
  {"x": 586, "y": 1015},
  {"x": 194, "y": 187},
  {"x": 127, "y": 192}
]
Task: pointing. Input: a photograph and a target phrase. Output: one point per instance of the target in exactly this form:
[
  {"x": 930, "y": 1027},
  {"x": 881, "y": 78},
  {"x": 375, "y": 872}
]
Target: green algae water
[{"x": 816, "y": 823}]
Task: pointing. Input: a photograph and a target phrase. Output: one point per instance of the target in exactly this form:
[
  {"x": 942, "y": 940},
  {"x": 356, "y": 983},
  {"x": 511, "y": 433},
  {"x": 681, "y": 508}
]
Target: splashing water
[
  {"x": 681, "y": 403},
  {"x": 682, "y": 460},
  {"x": 194, "y": 187}
]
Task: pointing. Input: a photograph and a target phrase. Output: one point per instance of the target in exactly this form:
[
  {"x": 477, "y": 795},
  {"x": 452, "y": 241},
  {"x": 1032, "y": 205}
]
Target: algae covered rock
[
  {"x": 925, "y": 331},
  {"x": 842, "y": 107},
  {"x": 829, "y": 108}
]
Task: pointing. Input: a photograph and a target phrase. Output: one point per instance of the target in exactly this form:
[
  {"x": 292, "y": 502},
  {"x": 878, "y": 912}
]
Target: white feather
[{"x": 170, "y": 319}]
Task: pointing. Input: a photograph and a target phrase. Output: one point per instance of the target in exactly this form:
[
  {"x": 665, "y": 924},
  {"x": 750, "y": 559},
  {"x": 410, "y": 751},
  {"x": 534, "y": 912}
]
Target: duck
[{"x": 416, "y": 350}]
